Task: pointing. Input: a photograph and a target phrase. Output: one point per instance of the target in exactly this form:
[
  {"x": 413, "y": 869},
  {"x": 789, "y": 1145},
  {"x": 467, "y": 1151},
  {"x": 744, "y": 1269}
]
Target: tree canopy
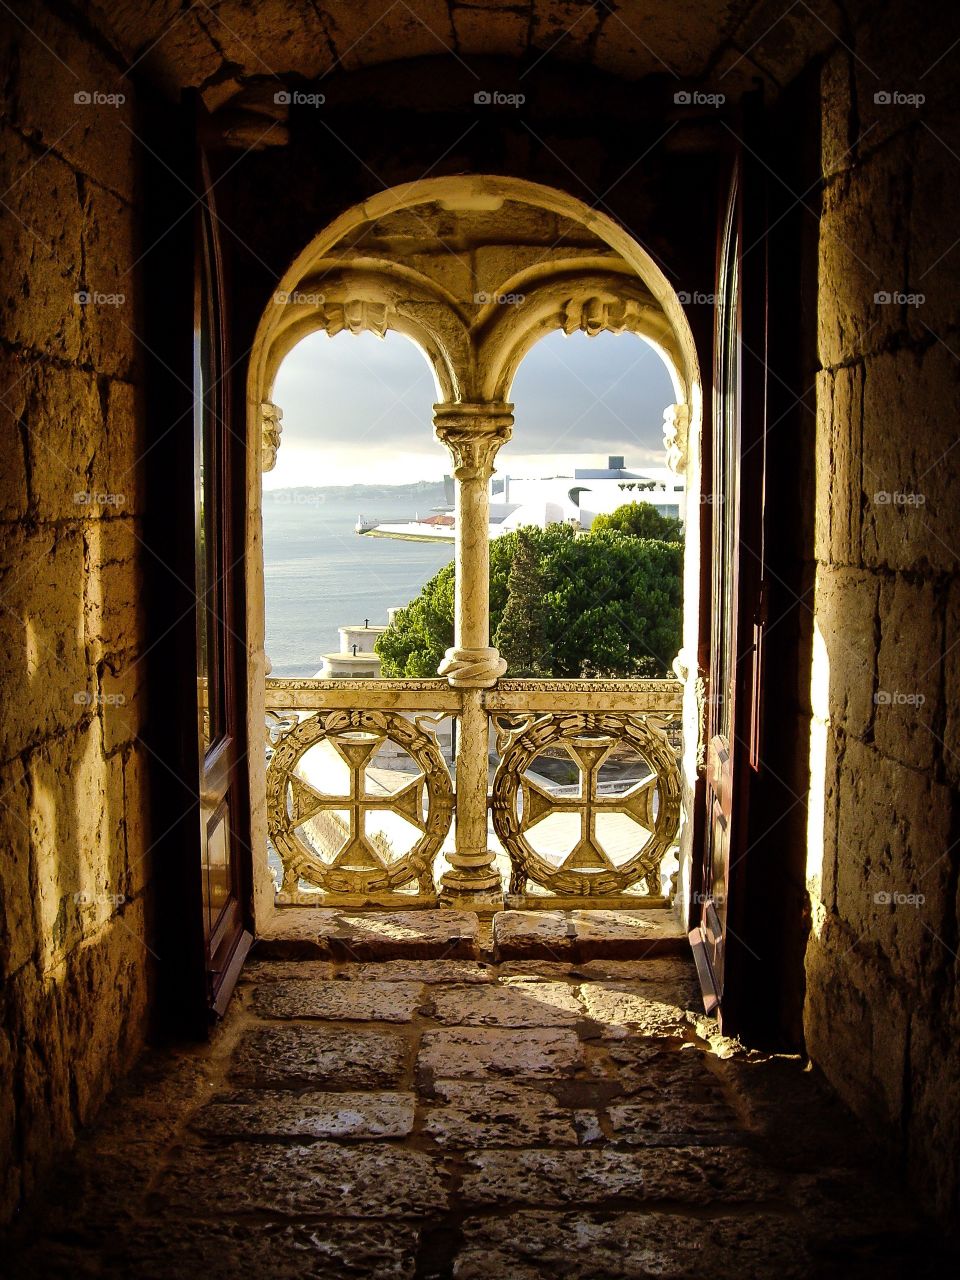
[
  {"x": 640, "y": 520},
  {"x": 562, "y": 604}
]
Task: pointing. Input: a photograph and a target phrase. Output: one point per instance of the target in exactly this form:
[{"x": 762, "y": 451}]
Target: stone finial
[
  {"x": 676, "y": 421},
  {"x": 270, "y": 429}
]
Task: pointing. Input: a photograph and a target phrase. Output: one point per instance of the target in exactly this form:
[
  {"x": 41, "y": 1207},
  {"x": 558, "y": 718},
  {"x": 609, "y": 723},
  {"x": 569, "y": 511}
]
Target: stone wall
[
  {"x": 74, "y": 869},
  {"x": 882, "y": 1010}
]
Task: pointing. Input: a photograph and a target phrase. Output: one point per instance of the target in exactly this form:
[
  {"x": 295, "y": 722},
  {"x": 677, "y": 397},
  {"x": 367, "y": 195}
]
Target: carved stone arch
[
  {"x": 373, "y": 301},
  {"x": 438, "y": 225},
  {"x": 593, "y": 302}
]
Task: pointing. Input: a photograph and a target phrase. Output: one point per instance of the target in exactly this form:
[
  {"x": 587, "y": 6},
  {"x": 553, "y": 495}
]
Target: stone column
[{"x": 473, "y": 433}]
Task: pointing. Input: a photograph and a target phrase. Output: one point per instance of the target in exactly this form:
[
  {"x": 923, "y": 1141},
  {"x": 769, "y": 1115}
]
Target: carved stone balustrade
[{"x": 362, "y": 792}]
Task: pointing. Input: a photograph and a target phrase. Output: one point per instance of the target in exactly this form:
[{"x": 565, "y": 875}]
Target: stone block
[
  {"x": 269, "y": 1114},
  {"x": 911, "y": 518},
  {"x": 583, "y": 1178},
  {"x": 138, "y": 842},
  {"x": 40, "y": 241},
  {"x": 490, "y": 32},
  {"x": 223, "y": 1250},
  {"x": 513, "y": 1003},
  {"x": 892, "y": 862},
  {"x": 363, "y": 1181},
  {"x": 839, "y": 478},
  {"x": 110, "y": 322},
  {"x": 837, "y": 150},
  {"x": 862, "y": 228},
  {"x": 585, "y": 935},
  {"x": 951, "y": 686},
  {"x": 369, "y": 935},
  {"x": 856, "y": 1023},
  {"x": 496, "y": 1115},
  {"x": 844, "y": 674},
  {"x": 63, "y": 421},
  {"x": 672, "y": 1120},
  {"x": 258, "y": 971},
  {"x": 113, "y": 622},
  {"x": 582, "y": 1246},
  {"x": 634, "y": 43},
  {"x": 481, "y": 1053},
  {"x": 76, "y": 828},
  {"x": 296, "y": 36},
  {"x": 545, "y": 1177},
  {"x": 630, "y": 1008},
  {"x": 888, "y": 65},
  {"x": 653, "y": 1067},
  {"x": 96, "y": 136},
  {"x": 18, "y": 923},
  {"x": 909, "y": 672},
  {"x": 16, "y": 380},
  {"x": 339, "y": 1001},
  {"x": 428, "y": 971},
  {"x": 367, "y": 33},
  {"x": 119, "y": 466},
  {"x": 302, "y": 1057},
  {"x": 563, "y": 28}
]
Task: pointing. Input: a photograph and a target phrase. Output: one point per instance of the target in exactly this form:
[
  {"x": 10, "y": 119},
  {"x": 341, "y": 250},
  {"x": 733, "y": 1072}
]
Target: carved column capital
[
  {"x": 270, "y": 429},
  {"x": 473, "y": 433}
]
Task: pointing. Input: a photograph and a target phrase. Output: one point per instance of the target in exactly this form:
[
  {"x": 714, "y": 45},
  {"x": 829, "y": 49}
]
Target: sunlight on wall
[{"x": 819, "y": 736}]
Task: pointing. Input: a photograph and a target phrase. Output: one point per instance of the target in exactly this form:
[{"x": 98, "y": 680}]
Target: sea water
[{"x": 320, "y": 575}]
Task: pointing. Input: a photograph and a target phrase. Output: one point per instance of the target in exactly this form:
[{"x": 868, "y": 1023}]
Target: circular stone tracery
[
  {"x": 358, "y": 866},
  {"x": 519, "y": 804}
]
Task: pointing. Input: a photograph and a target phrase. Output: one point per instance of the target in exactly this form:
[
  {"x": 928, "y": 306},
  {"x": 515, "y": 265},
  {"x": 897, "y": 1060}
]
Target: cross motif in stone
[
  {"x": 589, "y": 754},
  {"x": 357, "y": 853}
]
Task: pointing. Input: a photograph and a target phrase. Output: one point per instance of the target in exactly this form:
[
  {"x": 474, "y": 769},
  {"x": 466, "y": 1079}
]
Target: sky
[{"x": 358, "y": 409}]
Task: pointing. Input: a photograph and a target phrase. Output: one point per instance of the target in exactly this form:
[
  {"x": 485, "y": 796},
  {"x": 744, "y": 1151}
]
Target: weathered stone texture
[
  {"x": 911, "y": 519},
  {"x": 480, "y": 1114},
  {"x": 881, "y": 955},
  {"x": 264, "y": 1114},
  {"x": 356, "y": 1181},
  {"x": 297, "y": 1057},
  {"x": 467, "y": 1053},
  {"x": 861, "y": 257},
  {"x": 76, "y": 868},
  {"x": 516, "y": 1004},
  {"x": 340, "y": 1001}
]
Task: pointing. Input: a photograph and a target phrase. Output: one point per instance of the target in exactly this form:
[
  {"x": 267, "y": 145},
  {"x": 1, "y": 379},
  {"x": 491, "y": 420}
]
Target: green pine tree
[{"x": 521, "y": 635}]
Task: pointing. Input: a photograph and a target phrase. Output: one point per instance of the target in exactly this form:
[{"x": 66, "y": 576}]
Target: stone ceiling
[{"x": 222, "y": 46}]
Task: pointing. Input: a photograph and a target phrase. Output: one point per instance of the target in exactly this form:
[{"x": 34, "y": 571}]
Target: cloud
[{"x": 357, "y": 407}]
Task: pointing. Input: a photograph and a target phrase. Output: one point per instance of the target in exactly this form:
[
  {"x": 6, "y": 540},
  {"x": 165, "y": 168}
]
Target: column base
[
  {"x": 476, "y": 888},
  {"x": 482, "y": 903}
]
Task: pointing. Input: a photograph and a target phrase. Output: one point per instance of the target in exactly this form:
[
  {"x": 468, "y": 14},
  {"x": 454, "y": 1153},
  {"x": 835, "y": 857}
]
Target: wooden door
[
  {"x": 736, "y": 605},
  {"x": 219, "y": 469}
]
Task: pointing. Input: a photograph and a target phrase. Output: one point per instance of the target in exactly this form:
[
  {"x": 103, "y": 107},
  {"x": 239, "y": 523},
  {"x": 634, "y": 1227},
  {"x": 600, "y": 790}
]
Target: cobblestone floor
[{"x": 438, "y": 1118}]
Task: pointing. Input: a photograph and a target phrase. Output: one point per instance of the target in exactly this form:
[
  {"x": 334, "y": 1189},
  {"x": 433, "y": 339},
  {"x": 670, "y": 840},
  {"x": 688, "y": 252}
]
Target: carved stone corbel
[
  {"x": 358, "y": 315},
  {"x": 676, "y": 424},
  {"x": 270, "y": 430},
  {"x": 599, "y": 315}
]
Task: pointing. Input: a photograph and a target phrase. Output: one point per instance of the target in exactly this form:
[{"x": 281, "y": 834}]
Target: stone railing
[{"x": 372, "y": 785}]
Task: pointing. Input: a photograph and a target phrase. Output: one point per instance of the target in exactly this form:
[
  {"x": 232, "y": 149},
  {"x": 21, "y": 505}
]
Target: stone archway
[{"x": 475, "y": 270}]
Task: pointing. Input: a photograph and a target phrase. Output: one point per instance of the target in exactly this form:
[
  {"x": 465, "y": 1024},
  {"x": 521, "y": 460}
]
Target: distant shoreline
[{"x": 418, "y": 489}]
